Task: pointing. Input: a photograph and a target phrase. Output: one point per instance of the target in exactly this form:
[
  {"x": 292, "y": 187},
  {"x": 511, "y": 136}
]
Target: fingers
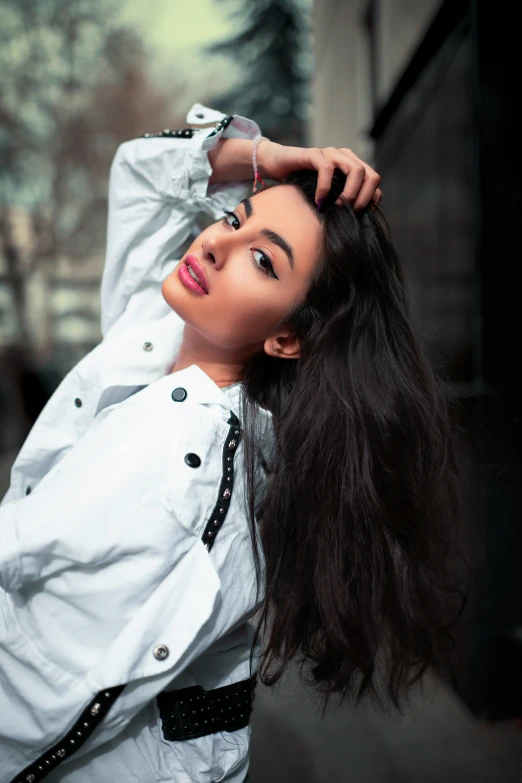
[
  {"x": 362, "y": 182},
  {"x": 367, "y": 190},
  {"x": 325, "y": 169}
]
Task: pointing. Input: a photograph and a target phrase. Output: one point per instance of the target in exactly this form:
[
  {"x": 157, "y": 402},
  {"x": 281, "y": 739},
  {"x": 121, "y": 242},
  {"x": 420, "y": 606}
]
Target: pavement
[{"x": 438, "y": 740}]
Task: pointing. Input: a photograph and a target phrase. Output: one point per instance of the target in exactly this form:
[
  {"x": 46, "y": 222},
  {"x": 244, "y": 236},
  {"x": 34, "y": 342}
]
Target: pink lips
[{"x": 193, "y": 262}]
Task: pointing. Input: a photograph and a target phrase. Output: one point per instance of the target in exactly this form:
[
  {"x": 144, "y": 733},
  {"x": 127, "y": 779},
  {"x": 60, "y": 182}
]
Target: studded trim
[
  {"x": 189, "y": 132},
  {"x": 219, "y": 513},
  {"x": 193, "y": 712},
  {"x": 81, "y": 730},
  {"x": 187, "y": 713},
  {"x": 184, "y": 133},
  {"x": 222, "y": 124}
]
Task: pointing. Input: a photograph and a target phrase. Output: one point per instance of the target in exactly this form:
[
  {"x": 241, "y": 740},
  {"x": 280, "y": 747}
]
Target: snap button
[
  {"x": 78, "y": 402},
  {"x": 179, "y": 394},
  {"x": 161, "y": 652},
  {"x": 200, "y": 115},
  {"x": 192, "y": 460},
  {"x": 28, "y": 490},
  {"x": 147, "y": 346}
]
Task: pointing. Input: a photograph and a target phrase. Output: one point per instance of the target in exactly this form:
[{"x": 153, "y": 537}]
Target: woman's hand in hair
[{"x": 362, "y": 182}]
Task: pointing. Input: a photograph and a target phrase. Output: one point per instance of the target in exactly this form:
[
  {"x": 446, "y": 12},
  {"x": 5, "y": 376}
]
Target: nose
[{"x": 215, "y": 249}]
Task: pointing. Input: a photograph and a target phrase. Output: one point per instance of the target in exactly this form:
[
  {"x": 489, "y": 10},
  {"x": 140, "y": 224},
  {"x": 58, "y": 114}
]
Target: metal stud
[
  {"x": 160, "y": 652},
  {"x": 95, "y": 709},
  {"x": 232, "y": 444},
  {"x": 227, "y": 493}
]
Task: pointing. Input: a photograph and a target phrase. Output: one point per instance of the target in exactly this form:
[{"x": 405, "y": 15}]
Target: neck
[
  {"x": 222, "y": 375},
  {"x": 224, "y": 370}
]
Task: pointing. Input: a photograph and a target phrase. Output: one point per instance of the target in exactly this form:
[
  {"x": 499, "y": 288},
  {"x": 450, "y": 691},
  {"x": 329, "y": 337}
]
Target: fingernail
[{"x": 319, "y": 203}]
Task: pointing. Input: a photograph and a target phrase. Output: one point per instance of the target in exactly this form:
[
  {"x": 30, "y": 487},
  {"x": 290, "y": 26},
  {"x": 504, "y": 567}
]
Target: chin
[{"x": 168, "y": 290}]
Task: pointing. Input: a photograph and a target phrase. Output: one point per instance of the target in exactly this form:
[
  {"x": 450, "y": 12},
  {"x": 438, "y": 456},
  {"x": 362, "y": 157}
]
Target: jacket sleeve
[{"x": 158, "y": 185}]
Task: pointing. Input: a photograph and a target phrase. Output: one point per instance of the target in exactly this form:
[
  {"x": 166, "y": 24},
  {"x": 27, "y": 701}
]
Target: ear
[{"x": 284, "y": 345}]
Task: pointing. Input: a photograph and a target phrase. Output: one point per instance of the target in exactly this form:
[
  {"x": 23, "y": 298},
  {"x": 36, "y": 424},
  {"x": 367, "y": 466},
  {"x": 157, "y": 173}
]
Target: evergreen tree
[{"x": 274, "y": 52}]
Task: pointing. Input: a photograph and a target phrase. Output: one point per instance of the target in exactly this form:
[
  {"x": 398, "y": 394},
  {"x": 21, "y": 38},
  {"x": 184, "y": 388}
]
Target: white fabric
[{"x": 103, "y": 559}]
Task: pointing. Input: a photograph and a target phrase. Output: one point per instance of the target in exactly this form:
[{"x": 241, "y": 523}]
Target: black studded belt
[{"x": 192, "y": 712}]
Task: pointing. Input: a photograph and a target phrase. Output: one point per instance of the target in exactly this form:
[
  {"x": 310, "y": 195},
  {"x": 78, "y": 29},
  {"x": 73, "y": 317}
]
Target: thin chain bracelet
[{"x": 257, "y": 178}]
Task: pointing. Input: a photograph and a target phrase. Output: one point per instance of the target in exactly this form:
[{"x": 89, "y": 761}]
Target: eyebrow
[{"x": 272, "y": 236}]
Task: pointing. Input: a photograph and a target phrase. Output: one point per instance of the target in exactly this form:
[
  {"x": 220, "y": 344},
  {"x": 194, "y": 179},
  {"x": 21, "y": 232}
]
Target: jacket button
[
  {"x": 147, "y": 346},
  {"x": 192, "y": 460},
  {"x": 179, "y": 394},
  {"x": 78, "y": 402},
  {"x": 200, "y": 115},
  {"x": 161, "y": 652},
  {"x": 28, "y": 490}
]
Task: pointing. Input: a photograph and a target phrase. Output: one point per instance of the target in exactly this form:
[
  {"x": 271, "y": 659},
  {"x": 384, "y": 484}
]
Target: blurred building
[
  {"x": 425, "y": 90},
  {"x": 60, "y": 308},
  {"x": 69, "y": 296}
]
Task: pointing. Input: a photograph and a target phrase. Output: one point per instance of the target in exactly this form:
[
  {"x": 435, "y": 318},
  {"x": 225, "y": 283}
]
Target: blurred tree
[
  {"x": 75, "y": 85},
  {"x": 274, "y": 50}
]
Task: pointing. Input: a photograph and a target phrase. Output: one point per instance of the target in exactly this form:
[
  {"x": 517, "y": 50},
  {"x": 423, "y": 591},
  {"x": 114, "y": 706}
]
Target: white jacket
[{"x": 111, "y": 590}]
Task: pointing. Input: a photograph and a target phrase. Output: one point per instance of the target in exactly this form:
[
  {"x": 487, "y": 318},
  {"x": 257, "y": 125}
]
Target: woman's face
[{"x": 254, "y": 278}]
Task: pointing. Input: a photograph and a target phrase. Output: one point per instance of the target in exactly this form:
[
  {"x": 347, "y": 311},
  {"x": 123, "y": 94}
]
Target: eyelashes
[{"x": 269, "y": 270}]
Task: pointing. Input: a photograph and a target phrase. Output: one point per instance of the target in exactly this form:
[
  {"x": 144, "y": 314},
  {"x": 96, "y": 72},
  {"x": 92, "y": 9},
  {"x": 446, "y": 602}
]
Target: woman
[{"x": 273, "y": 346}]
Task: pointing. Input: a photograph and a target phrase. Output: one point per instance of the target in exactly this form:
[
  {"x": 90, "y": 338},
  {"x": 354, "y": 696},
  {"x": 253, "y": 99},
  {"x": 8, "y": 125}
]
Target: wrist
[
  {"x": 231, "y": 159},
  {"x": 263, "y": 158}
]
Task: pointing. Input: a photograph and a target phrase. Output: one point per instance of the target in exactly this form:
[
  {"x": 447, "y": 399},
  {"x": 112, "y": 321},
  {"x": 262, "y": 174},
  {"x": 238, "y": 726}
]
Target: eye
[
  {"x": 269, "y": 269},
  {"x": 228, "y": 214}
]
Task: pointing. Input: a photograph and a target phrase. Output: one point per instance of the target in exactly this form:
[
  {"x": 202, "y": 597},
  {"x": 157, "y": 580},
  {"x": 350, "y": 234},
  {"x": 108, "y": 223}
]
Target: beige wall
[
  {"x": 341, "y": 94},
  {"x": 343, "y": 112}
]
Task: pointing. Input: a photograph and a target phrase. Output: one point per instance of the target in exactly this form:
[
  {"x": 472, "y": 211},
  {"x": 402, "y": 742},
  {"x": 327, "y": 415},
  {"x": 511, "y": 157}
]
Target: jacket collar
[
  {"x": 200, "y": 388},
  {"x": 127, "y": 363}
]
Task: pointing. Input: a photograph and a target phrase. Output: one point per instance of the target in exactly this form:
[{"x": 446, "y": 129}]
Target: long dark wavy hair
[{"x": 359, "y": 524}]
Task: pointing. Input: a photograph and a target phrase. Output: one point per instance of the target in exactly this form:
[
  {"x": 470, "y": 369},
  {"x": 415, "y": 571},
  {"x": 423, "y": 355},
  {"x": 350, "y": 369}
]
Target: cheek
[
  {"x": 243, "y": 319},
  {"x": 240, "y": 310}
]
